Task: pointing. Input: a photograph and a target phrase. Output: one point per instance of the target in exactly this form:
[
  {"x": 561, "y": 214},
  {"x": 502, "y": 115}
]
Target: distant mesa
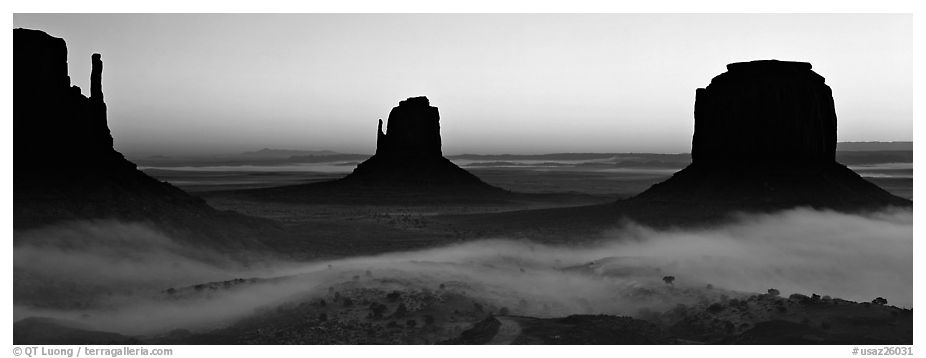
[
  {"x": 765, "y": 136},
  {"x": 64, "y": 164},
  {"x": 408, "y": 168}
]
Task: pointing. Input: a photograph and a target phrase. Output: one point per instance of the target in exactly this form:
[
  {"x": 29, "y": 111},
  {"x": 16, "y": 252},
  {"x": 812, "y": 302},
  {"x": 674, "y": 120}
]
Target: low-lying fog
[{"x": 112, "y": 276}]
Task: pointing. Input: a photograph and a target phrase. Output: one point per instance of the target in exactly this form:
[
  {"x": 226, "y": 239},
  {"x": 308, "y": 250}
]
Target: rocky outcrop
[
  {"x": 765, "y": 137},
  {"x": 408, "y": 168},
  {"x": 763, "y": 112},
  {"x": 413, "y": 131},
  {"x": 53, "y": 122},
  {"x": 409, "y": 152},
  {"x": 65, "y": 167}
]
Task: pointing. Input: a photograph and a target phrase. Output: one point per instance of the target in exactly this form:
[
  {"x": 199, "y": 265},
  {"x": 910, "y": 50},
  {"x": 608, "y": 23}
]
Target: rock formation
[
  {"x": 765, "y": 136},
  {"x": 408, "y": 168},
  {"x": 53, "y": 122},
  {"x": 764, "y": 112},
  {"x": 64, "y": 164},
  {"x": 409, "y": 152},
  {"x": 414, "y": 131}
]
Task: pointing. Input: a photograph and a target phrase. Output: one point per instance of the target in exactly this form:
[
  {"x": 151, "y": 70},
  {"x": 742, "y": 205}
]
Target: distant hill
[
  {"x": 285, "y": 153},
  {"x": 873, "y": 146}
]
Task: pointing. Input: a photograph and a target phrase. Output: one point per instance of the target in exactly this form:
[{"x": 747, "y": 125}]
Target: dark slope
[
  {"x": 65, "y": 167},
  {"x": 829, "y": 186}
]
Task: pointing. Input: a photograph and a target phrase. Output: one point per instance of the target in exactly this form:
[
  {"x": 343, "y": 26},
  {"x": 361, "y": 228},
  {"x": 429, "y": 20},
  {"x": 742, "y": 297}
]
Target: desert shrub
[
  {"x": 377, "y": 310},
  {"x": 879, "y": 301},
  {"x": 393, "y": 296},
  {"x": 400, "y": 311},
  {"x": 709, "y": 287},
  {"x": 668, "y": 280},
  {"x": 503, "y": 311},
  {"x": 773, "y": 292},
  {"x": 715, "y": 308}
]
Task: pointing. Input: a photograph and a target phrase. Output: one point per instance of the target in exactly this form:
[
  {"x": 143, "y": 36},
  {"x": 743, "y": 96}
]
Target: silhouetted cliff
[
  {"x": 765, "y": 136},
  {"x": 55, "y": 126},
  {"x": 763, "y": 112},
  {"x": 410, "y": 151},
  {"x": 414, "y": 131},
  {"x": 408, "y": 168},
  {"x": 65, "y": 166}
]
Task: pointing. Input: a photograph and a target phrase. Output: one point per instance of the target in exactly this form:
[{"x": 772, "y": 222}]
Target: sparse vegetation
[{"x": 393, "y": 296}]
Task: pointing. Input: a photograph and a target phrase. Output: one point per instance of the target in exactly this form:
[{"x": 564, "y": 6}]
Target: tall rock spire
[
  {"x": 96, "y": 78},
  {"x": 66, "y": 168}
]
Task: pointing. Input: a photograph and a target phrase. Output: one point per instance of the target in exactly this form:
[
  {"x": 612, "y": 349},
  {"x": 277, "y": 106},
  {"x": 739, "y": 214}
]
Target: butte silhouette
[
  {"x": 408, "y": 168},
  {"x": 65, "y": 167},
  {"x": 764, "y": 140}
]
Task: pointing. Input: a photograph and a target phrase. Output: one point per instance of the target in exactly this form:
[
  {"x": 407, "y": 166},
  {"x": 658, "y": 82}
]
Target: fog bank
[{"x": 118, "y": 272}]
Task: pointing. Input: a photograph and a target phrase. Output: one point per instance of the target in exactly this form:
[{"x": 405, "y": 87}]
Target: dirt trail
[{"x": 507, "y": 332}]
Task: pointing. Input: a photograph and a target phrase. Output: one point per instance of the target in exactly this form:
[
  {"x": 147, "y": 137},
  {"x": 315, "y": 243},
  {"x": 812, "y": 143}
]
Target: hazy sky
[{"x": 177, "y": 83}]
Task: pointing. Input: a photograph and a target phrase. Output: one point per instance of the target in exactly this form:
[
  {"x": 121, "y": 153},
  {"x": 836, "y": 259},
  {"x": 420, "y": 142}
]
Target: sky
[{"x": 180, "y": 84}]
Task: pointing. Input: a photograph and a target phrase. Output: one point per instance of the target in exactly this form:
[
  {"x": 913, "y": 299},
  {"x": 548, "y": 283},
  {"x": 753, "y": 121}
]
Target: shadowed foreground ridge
[
  {"x": 765, "y": 137},
  {"x": 65, "y": 166},
  {"x": 408, "y": 167}
]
